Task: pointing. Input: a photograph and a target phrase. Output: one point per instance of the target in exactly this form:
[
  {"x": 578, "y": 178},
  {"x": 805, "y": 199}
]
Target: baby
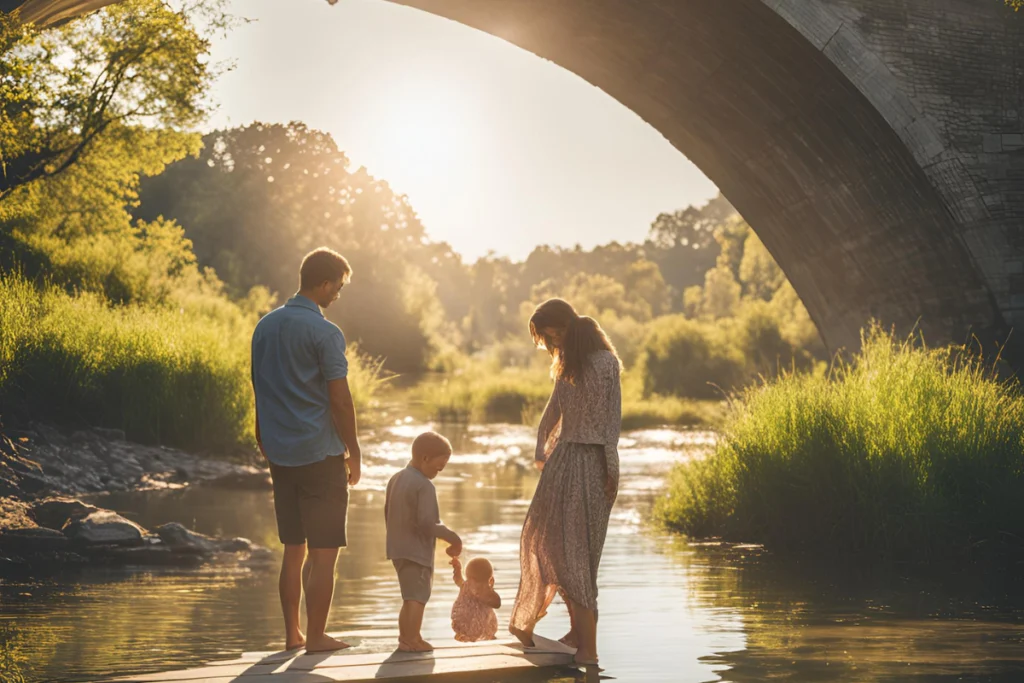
[
  {"x": 413, "y": 525},
  {"x": 473, "y": 616}
]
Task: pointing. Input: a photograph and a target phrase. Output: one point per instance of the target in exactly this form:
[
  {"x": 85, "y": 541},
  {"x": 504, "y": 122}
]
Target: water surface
[{"x": 670, "y": 611}]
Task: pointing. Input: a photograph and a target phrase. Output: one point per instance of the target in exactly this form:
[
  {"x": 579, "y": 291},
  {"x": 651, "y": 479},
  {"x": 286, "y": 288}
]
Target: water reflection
[{"x": 669, "y": 611}]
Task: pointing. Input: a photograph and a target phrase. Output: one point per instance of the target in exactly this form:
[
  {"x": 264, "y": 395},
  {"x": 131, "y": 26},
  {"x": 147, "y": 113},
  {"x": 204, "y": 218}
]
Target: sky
[{"x": 497, "y": 149}]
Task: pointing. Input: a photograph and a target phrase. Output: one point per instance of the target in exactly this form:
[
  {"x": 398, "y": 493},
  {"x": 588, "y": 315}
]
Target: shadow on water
[{"x": 670, "y": 611}]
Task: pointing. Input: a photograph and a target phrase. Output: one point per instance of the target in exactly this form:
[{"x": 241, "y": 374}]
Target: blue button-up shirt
[{"x": 295, "y": 353}]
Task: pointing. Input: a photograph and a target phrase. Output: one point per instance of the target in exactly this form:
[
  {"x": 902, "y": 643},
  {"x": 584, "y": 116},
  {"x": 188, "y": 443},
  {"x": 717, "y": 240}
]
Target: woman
[{"x": 577, "y": 451}]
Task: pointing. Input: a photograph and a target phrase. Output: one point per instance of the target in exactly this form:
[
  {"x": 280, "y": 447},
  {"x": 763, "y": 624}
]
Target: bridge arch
[{"x": 874, "y": 145}]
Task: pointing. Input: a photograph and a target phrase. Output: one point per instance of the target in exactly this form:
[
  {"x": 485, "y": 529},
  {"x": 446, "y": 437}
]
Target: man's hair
[
  {"x": 429, "y": 444},
  {"x": 322, "y": 265}
]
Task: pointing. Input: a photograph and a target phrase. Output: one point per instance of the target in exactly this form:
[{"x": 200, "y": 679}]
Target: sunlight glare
[{"x": 421, "y": 132}]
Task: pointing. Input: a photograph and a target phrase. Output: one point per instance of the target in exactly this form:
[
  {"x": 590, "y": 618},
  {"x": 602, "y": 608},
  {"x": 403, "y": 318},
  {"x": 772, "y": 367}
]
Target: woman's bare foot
[
  {"x": 569, "y": 639},
  {"x": 525, "y": 637},
  {"x": 324, "y": 644},
  {"x": 295, "y": 641}
]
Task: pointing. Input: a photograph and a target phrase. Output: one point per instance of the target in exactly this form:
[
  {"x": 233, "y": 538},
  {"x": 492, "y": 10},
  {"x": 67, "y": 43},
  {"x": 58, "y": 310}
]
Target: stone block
[{"x": 992, "y": 142}]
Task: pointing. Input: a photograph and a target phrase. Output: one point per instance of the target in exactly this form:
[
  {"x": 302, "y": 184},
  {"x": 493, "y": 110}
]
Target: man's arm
[{"x": 343, "y": 412}]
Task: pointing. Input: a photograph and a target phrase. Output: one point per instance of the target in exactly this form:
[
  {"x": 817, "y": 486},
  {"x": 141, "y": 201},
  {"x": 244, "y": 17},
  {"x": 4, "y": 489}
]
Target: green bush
[
  {"x": 687, "y": 358},
  {"x": 903, "y": 453}
]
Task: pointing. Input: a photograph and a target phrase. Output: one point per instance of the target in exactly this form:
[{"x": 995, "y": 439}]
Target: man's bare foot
[
  {"x": 569, "y": 639},
  {"x": 525, "y": 637},
  {"x": 582, "y": 658},
  {"x": 324, "y": 644}
]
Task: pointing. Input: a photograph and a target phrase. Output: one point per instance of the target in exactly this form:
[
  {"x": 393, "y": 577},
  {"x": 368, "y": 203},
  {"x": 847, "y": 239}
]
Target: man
[{"x": 305, "y": 428}]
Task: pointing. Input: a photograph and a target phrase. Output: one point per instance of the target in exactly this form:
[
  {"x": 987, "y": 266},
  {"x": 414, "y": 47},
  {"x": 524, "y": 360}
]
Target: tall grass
[
  {"x": 905, "y": 453},
  {"x": 174, "y": 376}
]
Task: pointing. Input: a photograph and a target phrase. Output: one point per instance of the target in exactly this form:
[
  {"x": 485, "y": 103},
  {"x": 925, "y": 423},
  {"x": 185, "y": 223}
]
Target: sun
[{"x": 420, "y": 134}]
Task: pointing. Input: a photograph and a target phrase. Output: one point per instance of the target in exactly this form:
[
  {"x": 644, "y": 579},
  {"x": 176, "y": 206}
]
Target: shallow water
[{"x": 670, "y": 611}]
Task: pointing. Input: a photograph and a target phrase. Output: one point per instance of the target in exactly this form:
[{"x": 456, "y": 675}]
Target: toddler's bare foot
[
  {"x": 569, "y": 639},
  {"x": 324, "y": 644},
  {"x": 419, "y": 645}
]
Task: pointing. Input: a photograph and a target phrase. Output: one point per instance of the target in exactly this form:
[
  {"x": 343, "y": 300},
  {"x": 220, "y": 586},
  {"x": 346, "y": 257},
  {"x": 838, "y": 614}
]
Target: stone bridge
[{"x": 876, "y": 146}]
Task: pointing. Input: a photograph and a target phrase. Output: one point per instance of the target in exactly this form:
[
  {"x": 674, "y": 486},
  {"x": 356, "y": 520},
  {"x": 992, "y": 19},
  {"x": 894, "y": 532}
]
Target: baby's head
[
  {"x": 479, "y": 569},
  {"x": 430, "y": 453}
]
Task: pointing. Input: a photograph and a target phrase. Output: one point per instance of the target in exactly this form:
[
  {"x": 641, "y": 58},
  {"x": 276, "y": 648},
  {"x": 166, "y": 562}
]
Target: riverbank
[
  {"x": 41, "y": 459},
  {"x": 905, "y": 454},
  {"x": 44, "y": 528}
]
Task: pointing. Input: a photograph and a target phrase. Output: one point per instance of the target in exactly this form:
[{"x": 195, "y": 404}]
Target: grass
[
  {"x": 179, "y": 377},
  {"x": 481, "y": 391},
  {"x": 660, "y": 411},
  {"x": 471, "y": 394},
  {"x": 904, "y": 453}
]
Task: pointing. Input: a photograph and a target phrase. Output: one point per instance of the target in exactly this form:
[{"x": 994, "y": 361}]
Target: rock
[
  {"x": 235, "y": 545},
  {"x": 104, "y": 527},
  {"x": 180, "y": 539},
  {"x": 110, "y": 434},
  {"x": 32, "y": 540},
  {"x": 48, "y": 435},
  {"x": 54, "y": 513}
]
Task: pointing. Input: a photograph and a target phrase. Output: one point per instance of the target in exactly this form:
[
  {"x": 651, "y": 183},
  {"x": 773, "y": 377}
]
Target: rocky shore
[{"x": 43, "y": 526}]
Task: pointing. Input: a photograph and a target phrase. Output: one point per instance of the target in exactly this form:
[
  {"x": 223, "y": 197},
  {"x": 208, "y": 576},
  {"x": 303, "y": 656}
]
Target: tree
[
  {"x": 258, "y": 198},
  {"x": 137, "y": 63},
  {"x": 760, "y": 275},
  {"x": 79, "y": 124},
  {"x": 721, "y": 293}
]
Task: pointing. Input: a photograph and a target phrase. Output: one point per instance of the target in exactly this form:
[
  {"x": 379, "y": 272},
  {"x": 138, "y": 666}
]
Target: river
[{"x": 670, "y": 610}]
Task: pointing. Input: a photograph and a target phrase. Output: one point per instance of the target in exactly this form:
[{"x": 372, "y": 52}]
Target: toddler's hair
[
  {"x": 479, "y": 569},
  {"x": 429, "y": 444}
]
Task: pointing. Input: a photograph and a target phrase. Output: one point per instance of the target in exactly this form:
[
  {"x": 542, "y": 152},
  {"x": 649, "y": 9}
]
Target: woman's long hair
[{"x": 583, "y": 336}]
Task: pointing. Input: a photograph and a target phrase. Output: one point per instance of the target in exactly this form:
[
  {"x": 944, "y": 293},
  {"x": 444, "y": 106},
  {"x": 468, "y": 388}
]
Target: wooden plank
[
  {"x": 269, "y": 656},
  {"x": 442, "y": 649},
  {"x": 454, "y": 657},
  {"x": 386, "y": 671}
]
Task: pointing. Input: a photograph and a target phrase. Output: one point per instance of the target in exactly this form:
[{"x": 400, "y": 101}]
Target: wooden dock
[{"x": 362, "y": 663}]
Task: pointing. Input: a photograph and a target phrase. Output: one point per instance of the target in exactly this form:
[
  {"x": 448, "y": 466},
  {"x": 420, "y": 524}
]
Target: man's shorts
[
  {"x": 311, "y": 503},
  {"x": 415, "y": 580}
]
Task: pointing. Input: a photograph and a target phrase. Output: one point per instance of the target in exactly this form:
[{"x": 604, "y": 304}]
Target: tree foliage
[{"x": 138, "y": 63}]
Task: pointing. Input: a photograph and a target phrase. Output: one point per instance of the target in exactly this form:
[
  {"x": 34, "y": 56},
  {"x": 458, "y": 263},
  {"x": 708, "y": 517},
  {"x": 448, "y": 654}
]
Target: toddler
[
  {"x": 413, "y": 524},
  {"x": 473, "y": 616}
]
